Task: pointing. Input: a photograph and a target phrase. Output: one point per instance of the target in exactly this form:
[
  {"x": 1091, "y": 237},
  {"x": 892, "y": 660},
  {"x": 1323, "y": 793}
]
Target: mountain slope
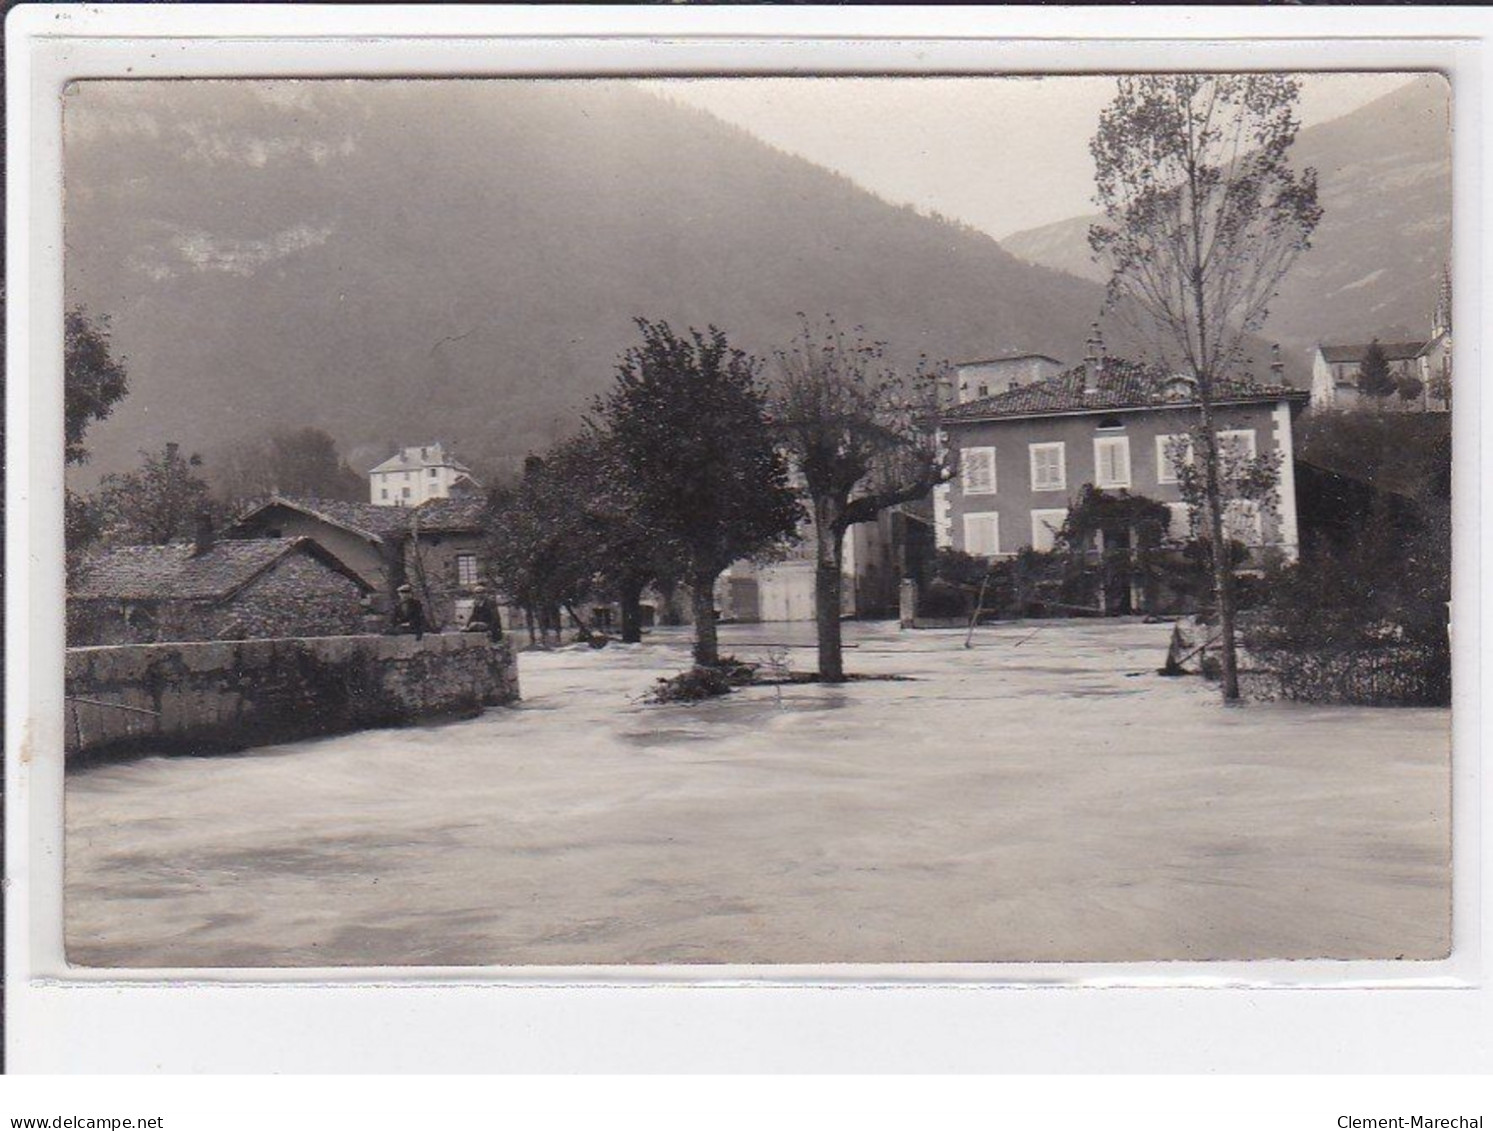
[
  {"x": 397, "y": 262},
  {"x": 1384, "y": 174}
]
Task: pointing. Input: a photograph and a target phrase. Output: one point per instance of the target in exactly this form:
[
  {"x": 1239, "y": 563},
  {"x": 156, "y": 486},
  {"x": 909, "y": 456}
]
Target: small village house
[
  {"x": 233, "y": 589},
  {"x": 1337, "y": 369},
  {"x": 417, "y": 474},
  {"x": 877, "y": 555},
  {"x": 437, "y": 546},
  {"x": 1026, "y": 452},
  {"x": 974, "y": 380}
]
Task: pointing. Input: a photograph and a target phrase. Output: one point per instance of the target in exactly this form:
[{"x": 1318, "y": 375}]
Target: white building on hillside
[{"x": 417, "y": 475}]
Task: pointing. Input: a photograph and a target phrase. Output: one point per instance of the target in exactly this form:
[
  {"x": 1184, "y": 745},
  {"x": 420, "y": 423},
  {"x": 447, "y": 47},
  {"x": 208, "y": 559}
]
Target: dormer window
[{"x": 1179, "y": 387}]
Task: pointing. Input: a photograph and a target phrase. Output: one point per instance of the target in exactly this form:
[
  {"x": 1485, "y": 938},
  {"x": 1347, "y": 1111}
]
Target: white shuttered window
[
  {"x": 1045, "y": 527},
  {"x": 1049, "y": 468},
  {"x": 1239, "y": 443},
  {"x": 1241, "y": 522},
  {"x": 1167, "y": 448},
  {"x": 1112, "y": 461},
  {"x": 982, "y": 534},
  {"x": 1180, "y": 528},
  {"x": 977, "y": 470}
]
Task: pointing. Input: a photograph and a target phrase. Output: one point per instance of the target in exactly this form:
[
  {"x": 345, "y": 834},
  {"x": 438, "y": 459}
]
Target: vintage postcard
[{"x": 814, "y": 521}]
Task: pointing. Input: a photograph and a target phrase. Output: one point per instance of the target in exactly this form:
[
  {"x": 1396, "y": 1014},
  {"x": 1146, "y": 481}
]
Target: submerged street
[{"x": 1044, "y": 796}]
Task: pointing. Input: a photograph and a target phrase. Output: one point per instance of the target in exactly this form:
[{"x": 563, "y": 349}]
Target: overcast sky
[{"x": 1002, "y": 154}]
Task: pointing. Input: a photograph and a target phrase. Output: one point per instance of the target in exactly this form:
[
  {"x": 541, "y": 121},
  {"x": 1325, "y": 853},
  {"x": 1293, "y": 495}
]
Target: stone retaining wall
[{"x": 228, "y": 695}]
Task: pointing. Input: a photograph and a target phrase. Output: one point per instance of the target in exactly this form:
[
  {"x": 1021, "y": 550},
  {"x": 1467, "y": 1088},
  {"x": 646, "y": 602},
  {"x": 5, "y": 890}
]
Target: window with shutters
[
  {"x": 1049, "y": 467},
  {"x": 1241, "y": 522},
  {"x": 982, "y": 534},
  {"x": 977, "y": 471},
  {"x": 1180, "y": 527},
  {"x": 1238, "y": 443},
  {"x": 1045, "y": 527},
  {"x": 1112, "y": 461},
  {"x": 1168, "y": 449}
]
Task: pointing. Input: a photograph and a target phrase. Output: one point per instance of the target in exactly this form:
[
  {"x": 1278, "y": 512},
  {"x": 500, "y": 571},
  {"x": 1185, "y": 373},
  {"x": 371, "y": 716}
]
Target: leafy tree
[
  {"x": 863, "y": 438},
  {"x": 93, "y": 380},
  {"x": 688, "y": 416},
  {"x": 156, "y": 504},
  {"x": 300, "y": 461},
  {"x": 1409, "y": 454},
  {"x": 1374, "y": 376},
  {"x": 1203, "y": 216},
  {"x": 534, "y": 553},
  {"x": 571, "y": 531},
  {"x": 1410, "y": 387}
]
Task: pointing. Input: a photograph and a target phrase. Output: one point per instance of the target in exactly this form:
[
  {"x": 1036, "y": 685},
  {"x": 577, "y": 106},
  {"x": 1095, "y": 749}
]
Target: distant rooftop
[
  {"x": 1008, "y": 357},
  {"x": 1393, "y": 351},
  {"x": 1122, "y": 385},
  {"x": 374, "y": 520},
  {"x": 420, "y": 456}
]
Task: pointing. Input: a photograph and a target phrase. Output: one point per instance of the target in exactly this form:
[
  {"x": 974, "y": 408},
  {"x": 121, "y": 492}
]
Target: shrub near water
[{"x": 703, "y": 682}]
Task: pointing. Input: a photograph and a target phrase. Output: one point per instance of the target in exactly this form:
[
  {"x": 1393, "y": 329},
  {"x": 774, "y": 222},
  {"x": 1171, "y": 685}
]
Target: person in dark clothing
[
  {"x": 485, "y": 616},
  {"x": 409, "y": 614}
]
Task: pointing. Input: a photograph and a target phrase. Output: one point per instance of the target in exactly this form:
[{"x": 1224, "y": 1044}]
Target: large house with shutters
[
  {"x": 417, "y": 474},
  {"x": 1024, "y": 453}
]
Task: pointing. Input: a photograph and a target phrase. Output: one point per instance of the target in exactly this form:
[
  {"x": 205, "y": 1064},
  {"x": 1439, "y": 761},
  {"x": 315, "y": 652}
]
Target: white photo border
[{"x": 1367, "y": 1016}]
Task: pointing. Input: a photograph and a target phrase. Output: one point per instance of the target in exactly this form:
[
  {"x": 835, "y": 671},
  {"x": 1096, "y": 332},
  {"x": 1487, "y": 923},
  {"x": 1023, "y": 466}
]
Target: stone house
[
  {"x": 1025, "y": 453},
  {"x": 437, "y": 547},
  {"x": 415, "y": 475},
  {"x": 236, "y": 589}
]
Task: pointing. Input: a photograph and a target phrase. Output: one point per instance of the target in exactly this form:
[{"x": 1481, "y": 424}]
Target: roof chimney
[
  {"x": 1093, "y": 359},
  {"x": 203, "y": 538},
  {"x": 1277, "y": 366}
]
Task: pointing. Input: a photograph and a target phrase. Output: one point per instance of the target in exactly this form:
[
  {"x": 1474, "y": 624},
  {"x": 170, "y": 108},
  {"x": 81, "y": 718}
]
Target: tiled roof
[
  {"x": 1122, "y": 385},
  {"x": 1393, "y": 351},
  {"x": 460, "y": 512},
  {"x": 367, "y": 519},
  {"x": 1008, "y": 357},
  {"x": 372, "y": 520},
  {"x": 173, "y": 572},
  {"x": 419, "y": 456}
]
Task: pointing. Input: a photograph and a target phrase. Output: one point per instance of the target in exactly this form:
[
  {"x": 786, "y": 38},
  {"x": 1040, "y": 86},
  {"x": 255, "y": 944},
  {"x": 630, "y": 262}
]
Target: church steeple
[{"x": 1441, "y": 321}]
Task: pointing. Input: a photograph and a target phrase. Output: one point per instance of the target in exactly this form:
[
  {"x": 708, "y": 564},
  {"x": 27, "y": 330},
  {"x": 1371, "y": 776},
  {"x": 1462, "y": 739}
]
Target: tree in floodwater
[
  {"x": 862, "y": 435},
  {"x": 699, "y": 458},
  {"x": 1203, "y": 217}
]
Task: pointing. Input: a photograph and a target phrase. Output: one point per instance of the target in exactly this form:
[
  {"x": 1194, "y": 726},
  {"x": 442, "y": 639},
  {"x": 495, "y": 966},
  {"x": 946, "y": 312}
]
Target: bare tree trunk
[
  {"x": 1223, "y": 569},
  {"x": 630, "y": 599},
  {"x": 529, "y": 623},
  {"x": 707, "y": 643},
  {"x": 828, "y": 580}
]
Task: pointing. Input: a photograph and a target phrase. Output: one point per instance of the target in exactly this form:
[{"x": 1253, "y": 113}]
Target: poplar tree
[{"x": 1203, "y": 217}]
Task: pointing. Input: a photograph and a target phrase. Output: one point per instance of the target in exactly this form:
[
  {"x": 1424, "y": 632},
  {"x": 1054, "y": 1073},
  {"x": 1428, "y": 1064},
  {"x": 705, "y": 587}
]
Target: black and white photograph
[{"x": 565, "y": 522}]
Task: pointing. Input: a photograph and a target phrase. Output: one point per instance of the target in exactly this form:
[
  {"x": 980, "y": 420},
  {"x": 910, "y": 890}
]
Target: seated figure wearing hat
[
  {"x": 409, "y": 614},
  {"x": 485, "y": 617}
]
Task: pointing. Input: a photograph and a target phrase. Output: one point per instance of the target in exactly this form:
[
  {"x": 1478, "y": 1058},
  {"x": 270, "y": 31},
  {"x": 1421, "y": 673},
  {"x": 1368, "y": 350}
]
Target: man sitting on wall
[
  {"x": 409, "y": 614},
  {"x": 484, "y": 616}
]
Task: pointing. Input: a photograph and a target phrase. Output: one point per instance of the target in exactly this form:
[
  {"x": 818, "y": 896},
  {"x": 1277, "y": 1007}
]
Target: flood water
[{"x": 1040, "y": 796}]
